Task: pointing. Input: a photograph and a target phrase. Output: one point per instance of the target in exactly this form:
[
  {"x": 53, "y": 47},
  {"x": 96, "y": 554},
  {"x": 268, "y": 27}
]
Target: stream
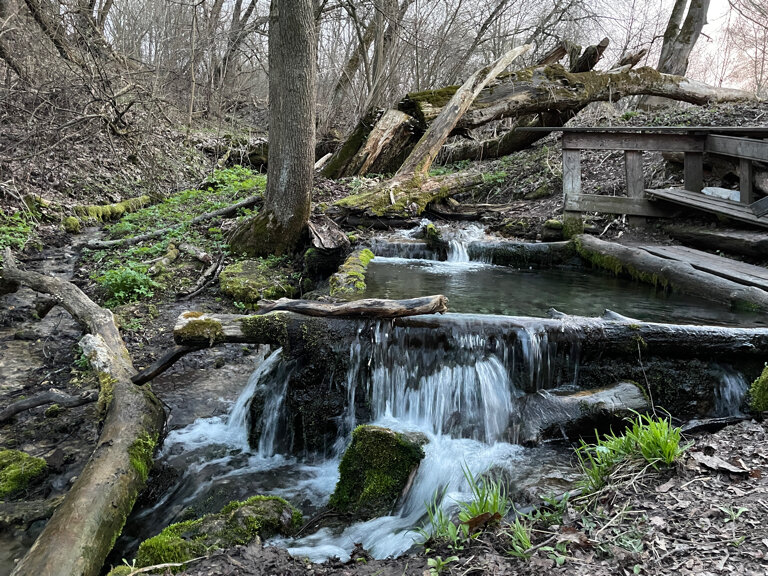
[{"x": 463, "y": 401}]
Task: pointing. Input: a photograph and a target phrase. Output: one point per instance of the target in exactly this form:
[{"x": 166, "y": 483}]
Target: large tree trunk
[
  {"x": 678, "y": 43},
  {"x": 84, "y": 527},
  {"x": 293, "y": 74}
]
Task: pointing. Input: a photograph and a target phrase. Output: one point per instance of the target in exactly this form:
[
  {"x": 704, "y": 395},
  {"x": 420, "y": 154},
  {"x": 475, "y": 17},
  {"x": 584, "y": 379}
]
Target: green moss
[
  {"x": 432, "y": 236},
  {"x": 71, "y": 224},
  {"x": 270, "y": 328},
  {"x": 17, "y": 470},
  {"x": 618, "y": 267},
  {"x": 202, "y": 329},
  {"x": 53, "y": 411},
  {"x": 106, "y": 393},
  {"x": 238, "y": 523},
  {"x": 758, "y": 392},
  {"x": 120, "y": 571},
  {"x": 262, "y": 278},
  {"x": 415, "y": 103},
  {"x": 553, "y": 224},
  {"x": 102, "y": 212},
  {"x": 141, "y": 454},
  {"x": 374, "y": 471},
  {"x": 349, "y": 281},
  {"x": 573, "y": 225}
]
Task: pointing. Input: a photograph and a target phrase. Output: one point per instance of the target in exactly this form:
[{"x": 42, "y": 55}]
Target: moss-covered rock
[
  {"x": 375, "y": 470},
  {"x": 249, "y": 281},
  {"x": 758, "y": 392},
  {"x": 237, "y": 523},
  {"x": 71, "y": 224},
  {"x": 17, "y": 470},
  {"x": 349, "y": 281},
  {"x": 101, "y": 212}
]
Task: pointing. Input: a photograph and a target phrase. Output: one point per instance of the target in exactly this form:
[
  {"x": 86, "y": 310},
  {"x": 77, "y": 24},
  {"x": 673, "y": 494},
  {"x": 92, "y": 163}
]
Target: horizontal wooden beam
[
  {"x": 615, "y": 205},
  {"x": 745, "y": 148},
  {"x": 664, "y": 142}
]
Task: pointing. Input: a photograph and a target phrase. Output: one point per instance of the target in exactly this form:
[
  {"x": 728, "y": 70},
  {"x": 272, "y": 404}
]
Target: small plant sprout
[{"x": 437, "y": 564}]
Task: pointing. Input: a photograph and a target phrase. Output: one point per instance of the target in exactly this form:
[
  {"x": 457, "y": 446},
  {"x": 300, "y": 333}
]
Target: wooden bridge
[{"x": 742, "y": 144}]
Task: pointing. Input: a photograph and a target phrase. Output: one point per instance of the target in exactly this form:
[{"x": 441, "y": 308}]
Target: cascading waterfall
[{"x": 730, "y": 392}]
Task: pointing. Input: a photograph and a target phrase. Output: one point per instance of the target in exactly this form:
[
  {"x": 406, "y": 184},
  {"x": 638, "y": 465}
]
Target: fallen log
[
  {"x": 81, "y": 532},
  {"x": 365, "y": 308},
  {"x": 751, "y": 243},
  {"x": 424, "y": 153},
  {"x": 162, "y": 364},
  {"x": 547, "y": 415},
  {"x": 51, "y": 396},
  {"x": 595, "y": 336},
  {"x": 221, "y": 213},
  {"x": 669, "y": 274}
]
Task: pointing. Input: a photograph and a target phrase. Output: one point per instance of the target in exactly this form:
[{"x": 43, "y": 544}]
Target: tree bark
[
  {"x": 293, "y": 77},
  {"x": 50, "y": 396},
  {"x": 678, "y": 43},
  {"x": 421, "y": 157},
  {"x": 78, "y": 537}
]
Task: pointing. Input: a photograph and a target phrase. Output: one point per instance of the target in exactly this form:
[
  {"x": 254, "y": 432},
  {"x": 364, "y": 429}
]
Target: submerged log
[
  {"x": 78, "y": 537},
  {"x": 672, "y": 274},
  {"x": 548, "y": 415}
]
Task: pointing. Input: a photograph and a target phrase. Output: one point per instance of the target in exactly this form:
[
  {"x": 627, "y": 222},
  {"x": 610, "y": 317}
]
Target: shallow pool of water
[{"x": 475, "y": 287}]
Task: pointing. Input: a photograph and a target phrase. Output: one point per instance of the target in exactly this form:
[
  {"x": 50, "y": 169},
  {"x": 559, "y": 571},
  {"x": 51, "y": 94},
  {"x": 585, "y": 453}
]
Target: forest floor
[{"x": 691, "y": 520}]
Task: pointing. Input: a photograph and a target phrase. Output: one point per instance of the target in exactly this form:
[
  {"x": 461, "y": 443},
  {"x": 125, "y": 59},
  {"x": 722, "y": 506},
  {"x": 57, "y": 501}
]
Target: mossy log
[
  {"x": 547, "y": 95},
  {"x": 405, "y": 200},
  {"x": 101, "y": 212},
  {"x": 82, "y": 531},
  {"x": 669, "y": 274},
  {"x": 607, "y": 335}
]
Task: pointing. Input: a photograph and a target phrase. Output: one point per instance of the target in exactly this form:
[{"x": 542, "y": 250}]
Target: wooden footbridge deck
[{"x": 743, "y": 145}]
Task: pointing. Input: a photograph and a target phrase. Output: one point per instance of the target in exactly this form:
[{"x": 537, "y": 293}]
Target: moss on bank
[
  {"x": 102, "y": 212},
  {"x": 17, "y": 471},
  {"x": 374, "y": 471},
  {"x": 758, "y": 392},
  {"x": 249, "y": 281},
  {"x": 200, "y": 329},
  {"x": 238, "y": 523},
  {"x": 349, "y": 281}
]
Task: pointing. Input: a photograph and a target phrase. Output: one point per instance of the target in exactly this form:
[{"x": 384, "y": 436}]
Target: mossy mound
[
  {"x": 375, "y": 470},
  {"x": 349, "y": 281},
  {"x": 101, "y": 212},
  {"x": 17, "y": 470},
  {"x": 237, "y": 523},
  {"x": 249, "y": 281},
  {"x": 758, "y": 392},
  {"x": 71, "y": 224}
]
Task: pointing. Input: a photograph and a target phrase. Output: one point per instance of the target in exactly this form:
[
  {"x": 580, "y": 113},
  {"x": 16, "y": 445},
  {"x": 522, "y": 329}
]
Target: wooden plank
[
  {"x": 633, "y": 166},
  {"x": 693, "y": 171},
  {"x": 745, "y": 182},
  {"x": 634, "y": 141},
  {"x": 746, "y": 148},
  {"x": 616, "y": 205},
  {"x": 733, "y": 210},
  {"x": 753, "y": 131},
  {"x": 571, "y": 174},
  {"x": 759, "y": 208},
  {"x": 724, "y": 267}
]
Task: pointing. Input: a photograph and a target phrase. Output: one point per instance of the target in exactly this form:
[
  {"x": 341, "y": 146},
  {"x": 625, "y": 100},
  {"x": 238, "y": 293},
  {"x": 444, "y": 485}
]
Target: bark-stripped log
[
  {"x": 51, "y": 396},
  {"x": 78, "y": 537}
]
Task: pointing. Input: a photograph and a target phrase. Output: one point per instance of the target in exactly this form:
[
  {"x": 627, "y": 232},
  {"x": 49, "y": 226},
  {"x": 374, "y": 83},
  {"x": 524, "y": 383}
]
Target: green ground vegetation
[
  {"x": 17, "y": 471},
  {"x": 124, "y": 274},
  {"x": 16, "y": 230},
  {"x": 236, "y": 524}
]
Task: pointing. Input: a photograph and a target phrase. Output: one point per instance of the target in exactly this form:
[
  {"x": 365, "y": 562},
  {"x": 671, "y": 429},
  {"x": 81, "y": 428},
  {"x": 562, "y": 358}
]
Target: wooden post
[
  {"x": 745, "y": 181},
  {"x": 633, "y": 165},
  {"x": 572, "y": 221},
  {"x": 694, "y": 171}
]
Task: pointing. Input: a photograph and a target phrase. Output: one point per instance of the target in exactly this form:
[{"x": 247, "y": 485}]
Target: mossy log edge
[
  {"x": 85, "y": 526},
  {"x": 608, "y": 335},
  {"x": 669, "y": 274}
]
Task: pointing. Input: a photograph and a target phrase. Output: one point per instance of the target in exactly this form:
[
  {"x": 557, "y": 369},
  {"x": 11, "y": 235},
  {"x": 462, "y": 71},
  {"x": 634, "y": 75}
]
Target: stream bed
[{"x": 464, "y": 402}]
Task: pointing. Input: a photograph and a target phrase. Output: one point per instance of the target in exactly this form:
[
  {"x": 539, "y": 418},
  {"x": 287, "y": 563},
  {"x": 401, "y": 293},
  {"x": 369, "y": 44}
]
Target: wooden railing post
[
  {"x": 572, "y": 221},
  {"x": 694, "y": 171}
]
